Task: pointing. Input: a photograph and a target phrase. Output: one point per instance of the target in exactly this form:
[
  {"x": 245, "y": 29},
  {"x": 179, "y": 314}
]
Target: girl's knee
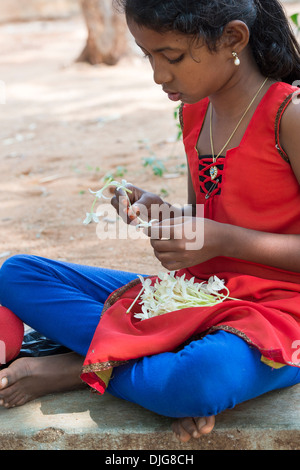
[
  {"x": 17, "y": 264},
  {"x": 207, "y": 375},
  {"x": 14, "y": 262},
  {"x": 12, "y": 271},
  {"x": 8, "y": 268}
]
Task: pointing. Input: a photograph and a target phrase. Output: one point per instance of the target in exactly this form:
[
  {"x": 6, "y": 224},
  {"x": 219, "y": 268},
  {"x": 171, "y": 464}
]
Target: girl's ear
[{"x": 235, "y": 36}]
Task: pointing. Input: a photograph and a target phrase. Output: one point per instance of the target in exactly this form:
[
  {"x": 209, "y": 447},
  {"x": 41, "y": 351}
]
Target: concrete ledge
[{"x": 85, "y": 421}]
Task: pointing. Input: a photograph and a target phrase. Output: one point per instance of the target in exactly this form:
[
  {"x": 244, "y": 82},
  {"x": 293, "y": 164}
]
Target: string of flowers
[
  {"x": 93, "y": 217},
  {"x": 171, "y": 292}
]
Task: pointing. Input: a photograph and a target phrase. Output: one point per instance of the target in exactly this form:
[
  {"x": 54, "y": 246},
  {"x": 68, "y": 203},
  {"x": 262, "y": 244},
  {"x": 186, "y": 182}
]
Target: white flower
[
  {"x": 99, "y": 194},
  {"x": 121, "y": 185},
  {"x": 170, "y": 293},
  {"x": 110, "y": 182},
  {"x": 144, "y": 224},
  {"x": 91, "y": 217},
  {"x": 214, "y": 285}
]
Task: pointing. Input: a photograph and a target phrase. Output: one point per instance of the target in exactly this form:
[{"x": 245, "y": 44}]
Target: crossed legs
[{"x": 64, "y": 302}]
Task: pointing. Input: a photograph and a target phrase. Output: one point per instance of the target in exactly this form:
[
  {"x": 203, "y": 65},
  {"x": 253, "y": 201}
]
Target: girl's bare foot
[
  {"x": 186, "y": 428},
  {"x": 28, "y": 378}
]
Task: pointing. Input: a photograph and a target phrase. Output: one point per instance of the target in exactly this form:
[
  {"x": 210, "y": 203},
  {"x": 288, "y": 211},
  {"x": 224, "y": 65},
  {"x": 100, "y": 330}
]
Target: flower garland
[{"x": 170, "y": 293}]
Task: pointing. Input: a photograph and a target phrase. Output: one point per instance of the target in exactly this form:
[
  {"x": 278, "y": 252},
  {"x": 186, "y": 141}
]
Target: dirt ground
[{"x": 66, "y": 125}]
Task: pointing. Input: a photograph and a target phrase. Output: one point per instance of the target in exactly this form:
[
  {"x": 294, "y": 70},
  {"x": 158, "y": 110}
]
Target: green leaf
[
  {"x": 295, "y": 19},
  {"x": 149, "y": 161},
  {"x": 156, "y": 165}
]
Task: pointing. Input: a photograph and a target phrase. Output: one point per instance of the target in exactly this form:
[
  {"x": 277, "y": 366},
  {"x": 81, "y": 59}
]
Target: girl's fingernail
[
  {"x": 3, "y": 382},
  {"x": 136, "y": 210}
]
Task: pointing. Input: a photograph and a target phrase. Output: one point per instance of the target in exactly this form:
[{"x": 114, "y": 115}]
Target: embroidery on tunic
[
  {"x": 208, "y": 186},
  {"x": 279, "y": 115}
]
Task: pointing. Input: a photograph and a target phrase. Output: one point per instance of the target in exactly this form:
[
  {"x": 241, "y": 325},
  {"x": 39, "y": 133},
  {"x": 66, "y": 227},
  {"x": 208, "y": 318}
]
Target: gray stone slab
[{"x": 83, "y": 420}]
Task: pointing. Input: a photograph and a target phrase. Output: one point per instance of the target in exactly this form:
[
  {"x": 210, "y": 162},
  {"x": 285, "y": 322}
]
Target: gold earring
[{"x": 236, "y": 59}]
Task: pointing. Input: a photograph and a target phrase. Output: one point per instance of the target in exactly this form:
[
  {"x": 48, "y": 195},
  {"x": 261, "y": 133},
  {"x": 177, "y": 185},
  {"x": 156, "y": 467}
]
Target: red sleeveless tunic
[{"x": 257, "y": 190}]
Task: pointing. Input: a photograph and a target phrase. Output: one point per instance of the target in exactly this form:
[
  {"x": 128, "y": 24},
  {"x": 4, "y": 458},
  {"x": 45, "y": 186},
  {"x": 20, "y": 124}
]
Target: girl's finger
[
  {"x": 171, "y": 229},
  {"x": 124, "y": 201},
  {"x": 161, "y": 231},
  {"x": 133, "y": 211},
  {"x": 164, "y": 246}
]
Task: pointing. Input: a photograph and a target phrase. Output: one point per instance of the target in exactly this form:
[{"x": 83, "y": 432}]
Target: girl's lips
[{"x": 174, "y": 96}]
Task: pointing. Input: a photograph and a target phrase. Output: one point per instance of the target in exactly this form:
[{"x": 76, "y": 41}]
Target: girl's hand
[
  {"x": 186, "y": 241},
  {"x": 141, "y": 203}
]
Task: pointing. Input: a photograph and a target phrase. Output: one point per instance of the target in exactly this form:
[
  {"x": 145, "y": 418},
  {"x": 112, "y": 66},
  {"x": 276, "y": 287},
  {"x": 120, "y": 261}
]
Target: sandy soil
[{"x": 64, "y": 127}]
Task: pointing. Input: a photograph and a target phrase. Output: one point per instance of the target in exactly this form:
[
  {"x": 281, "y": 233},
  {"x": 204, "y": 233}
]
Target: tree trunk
[{"x": 107, "y": 38}]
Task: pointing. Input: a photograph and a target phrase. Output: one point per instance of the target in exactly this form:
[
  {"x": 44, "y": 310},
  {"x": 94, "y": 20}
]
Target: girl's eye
[
  {"x": 171, "y": 61},
  {"x": 176, "y": 61},
  {"x": 147, "y": 56}
]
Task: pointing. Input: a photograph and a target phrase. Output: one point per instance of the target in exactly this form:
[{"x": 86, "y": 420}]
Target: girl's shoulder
[
  {"x": 283, "y": 97},
  {"x": 273, "y": 104},
  {"x": 276, "y": 91},
  {"x": 281, "y": 92},
  {"x": 288, "y": 127}
]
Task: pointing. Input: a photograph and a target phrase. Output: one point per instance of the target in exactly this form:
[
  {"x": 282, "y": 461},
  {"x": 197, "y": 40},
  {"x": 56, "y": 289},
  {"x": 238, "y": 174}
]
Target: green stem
[{"x": 135, "y": 300}]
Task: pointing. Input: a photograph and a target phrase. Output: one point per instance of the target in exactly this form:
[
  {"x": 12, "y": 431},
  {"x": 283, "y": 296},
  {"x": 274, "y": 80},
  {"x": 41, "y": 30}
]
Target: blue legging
[{"x": 64, "y": 302}]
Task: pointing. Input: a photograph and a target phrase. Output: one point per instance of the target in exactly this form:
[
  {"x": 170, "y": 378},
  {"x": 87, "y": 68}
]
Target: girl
[{"x": 232, "y": 65}]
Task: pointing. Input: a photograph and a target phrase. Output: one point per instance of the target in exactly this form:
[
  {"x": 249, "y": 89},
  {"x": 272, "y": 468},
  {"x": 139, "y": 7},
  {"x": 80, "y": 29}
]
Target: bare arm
[{"x": 277, "y": 250}]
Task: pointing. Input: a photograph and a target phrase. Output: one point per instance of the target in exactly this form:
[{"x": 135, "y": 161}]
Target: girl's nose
[{"x": 161, "y": 75}]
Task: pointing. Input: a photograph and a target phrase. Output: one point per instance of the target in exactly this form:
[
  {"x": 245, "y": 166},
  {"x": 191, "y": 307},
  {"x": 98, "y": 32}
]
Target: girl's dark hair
[{"x": 274, "y": 45}]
